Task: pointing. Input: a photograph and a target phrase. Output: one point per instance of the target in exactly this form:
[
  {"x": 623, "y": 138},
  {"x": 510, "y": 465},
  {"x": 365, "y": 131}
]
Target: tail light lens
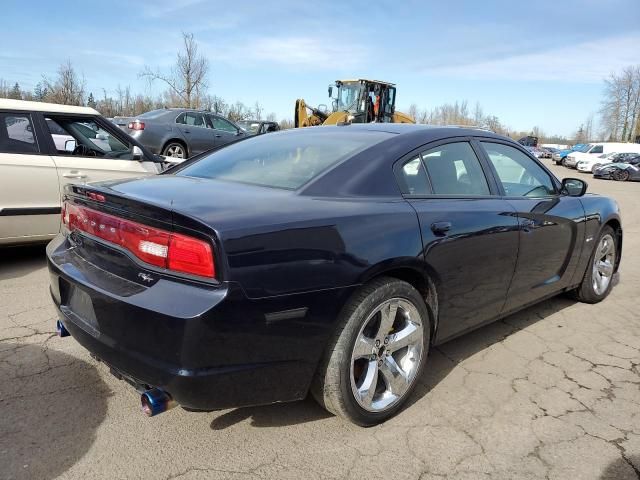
[
  {"x": 170, "y": 250},
  {"x": 137, "y": 125}
]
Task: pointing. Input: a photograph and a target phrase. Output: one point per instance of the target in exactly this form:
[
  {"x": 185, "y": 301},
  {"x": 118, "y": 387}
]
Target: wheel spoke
[
  {"x": 394, "y": 376},
  {"x": 605, "y": 268},
  {"x": 387, "y": 317},
  {"x": 364, "y": 347},
  {"x": 409, "y": 335},
  {"x": 367, "y": 389}
]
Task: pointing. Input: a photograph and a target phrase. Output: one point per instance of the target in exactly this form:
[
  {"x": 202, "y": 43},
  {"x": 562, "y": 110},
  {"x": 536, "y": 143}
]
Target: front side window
[
  {"x": 87, "y": 138},
  {"x": 597, "y": 149},
  {"x": 222, "y": 124},
  {"x": 16, "y": 134},
  {"x": 454, "y": 169},
  {"x": 520, "y": 175},
  {"x": 281, "y": 161}
]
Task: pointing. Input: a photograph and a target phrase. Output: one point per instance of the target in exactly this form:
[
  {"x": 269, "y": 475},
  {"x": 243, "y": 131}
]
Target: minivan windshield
[{"x": 282, "y": 160}]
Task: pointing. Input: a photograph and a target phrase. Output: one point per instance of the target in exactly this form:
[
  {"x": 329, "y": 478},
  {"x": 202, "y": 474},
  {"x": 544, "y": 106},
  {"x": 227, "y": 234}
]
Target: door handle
[
  {"x": 187, "y": 131},
  {"x": 440, "y": 228},
  {"x": 218, "y": 135},
  {"x": 74, "y": 174},
  {"x": 527, "y": 224}
]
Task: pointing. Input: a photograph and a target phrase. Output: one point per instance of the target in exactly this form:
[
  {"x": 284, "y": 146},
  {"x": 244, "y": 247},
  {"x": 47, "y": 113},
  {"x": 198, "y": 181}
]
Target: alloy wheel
[
  {"x": 603, "y": 264},
  {"x": 175, "y": 150},
  {"x": 387, "y": 354}
]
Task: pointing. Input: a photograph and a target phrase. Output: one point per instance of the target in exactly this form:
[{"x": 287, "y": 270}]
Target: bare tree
[
  {"x": 67, "y": 88},
  {"x": 188, "y": 78},
  {"x": 621, "y": 105},
  {"x": 257, "y": 110}
]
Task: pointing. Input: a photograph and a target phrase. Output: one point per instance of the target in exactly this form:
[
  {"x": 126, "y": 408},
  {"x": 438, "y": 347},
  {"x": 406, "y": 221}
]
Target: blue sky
[{"x": 530, "y": 63}]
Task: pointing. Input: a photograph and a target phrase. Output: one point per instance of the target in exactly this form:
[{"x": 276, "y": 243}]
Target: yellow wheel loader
[{"x": 353, "y": 101}]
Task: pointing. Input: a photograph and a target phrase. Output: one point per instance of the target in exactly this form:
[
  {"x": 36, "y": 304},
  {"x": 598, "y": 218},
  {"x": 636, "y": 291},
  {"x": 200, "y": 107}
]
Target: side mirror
[
  {"x": 239, "y": 132},
  {"x": 330, "y": 91},
  {"x": 70, "y": 146},
  {"x": 137, "y": 152},
  {"x": 574, "y": 187}
]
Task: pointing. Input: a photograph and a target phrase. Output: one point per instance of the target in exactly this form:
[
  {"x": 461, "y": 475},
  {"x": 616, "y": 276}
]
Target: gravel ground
[{"x": 551, "y": 392}]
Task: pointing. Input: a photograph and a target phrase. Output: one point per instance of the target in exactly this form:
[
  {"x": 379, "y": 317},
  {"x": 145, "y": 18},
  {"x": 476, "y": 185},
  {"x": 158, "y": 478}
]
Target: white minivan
[
  {"x": 596, "y": 149},
  {"x": 45, "y": 146}
]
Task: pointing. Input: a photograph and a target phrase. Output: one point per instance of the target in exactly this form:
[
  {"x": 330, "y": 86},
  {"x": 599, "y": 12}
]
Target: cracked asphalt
[{"x": 551, "y": 392}]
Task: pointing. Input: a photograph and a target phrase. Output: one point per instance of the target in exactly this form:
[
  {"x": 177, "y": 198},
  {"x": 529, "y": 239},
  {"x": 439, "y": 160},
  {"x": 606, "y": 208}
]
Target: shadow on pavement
[
  {"x": 454, "y": 351},
  {"x": 51, "y": 405},
  {"x": 622, "y": 469},
  {"x": 277, "y": 415},
  {"x": 16, "y": 262}
]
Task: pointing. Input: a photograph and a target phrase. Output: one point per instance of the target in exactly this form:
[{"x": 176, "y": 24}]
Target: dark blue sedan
[{"x": 326, "y": 260}]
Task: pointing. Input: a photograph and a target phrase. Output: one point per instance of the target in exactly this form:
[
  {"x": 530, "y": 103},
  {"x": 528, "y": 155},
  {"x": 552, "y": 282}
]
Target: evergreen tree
[
  {"x": 15, "y": 92},
  {"x": 91, "y": 102},
  {"x": 40, "y": 92}
]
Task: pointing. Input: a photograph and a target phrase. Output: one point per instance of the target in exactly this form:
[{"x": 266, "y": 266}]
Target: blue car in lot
[{"x": 560, "y": 155}]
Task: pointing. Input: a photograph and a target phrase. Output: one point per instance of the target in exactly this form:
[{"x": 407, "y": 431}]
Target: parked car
[
  {"x": 559, "y": 156},
  {"x": 182, "y": 133},
  {"x": 595, "y": 149},
  {"x": 324, "y": 259},
  {"x": 258, "y": 127},
  {"x": 547, "y": 152},
  {"x": 528, "y": 141},
  {"x": 535, "y": 151},
  {"x": 43, "y": 147},
  {"x": 590, "y": 163},
  {"x": 620, "y": 171}
]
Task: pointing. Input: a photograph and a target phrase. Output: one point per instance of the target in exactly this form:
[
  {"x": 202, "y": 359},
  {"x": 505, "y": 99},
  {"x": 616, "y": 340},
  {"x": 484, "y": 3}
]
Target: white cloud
[
  {"x": 304, "y": 52},
  {"x": 114, "y": 57},
  {"x": 587, "y": 62}
]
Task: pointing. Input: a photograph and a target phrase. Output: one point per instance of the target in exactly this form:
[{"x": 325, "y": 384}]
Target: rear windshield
[
  {"x": 154, "y": 113},
  {"x": 282, "y": 160}
]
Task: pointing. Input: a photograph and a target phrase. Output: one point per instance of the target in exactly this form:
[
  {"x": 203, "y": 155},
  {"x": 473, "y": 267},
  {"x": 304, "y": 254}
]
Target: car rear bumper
[{"x": 210, "y": 348}]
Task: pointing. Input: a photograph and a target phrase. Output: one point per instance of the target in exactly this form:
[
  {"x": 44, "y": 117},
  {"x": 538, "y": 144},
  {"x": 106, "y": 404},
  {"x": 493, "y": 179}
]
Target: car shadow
[
  {"x": 448, "y": 356},
  {"x": 16, "y": 262},
  {"x": 621, "y": 469},
  {"x": 51, "y": 404}
]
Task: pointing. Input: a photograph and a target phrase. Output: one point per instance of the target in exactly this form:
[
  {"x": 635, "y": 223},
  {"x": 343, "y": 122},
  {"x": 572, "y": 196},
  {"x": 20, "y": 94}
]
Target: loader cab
[{"x": 366, "y": 101}]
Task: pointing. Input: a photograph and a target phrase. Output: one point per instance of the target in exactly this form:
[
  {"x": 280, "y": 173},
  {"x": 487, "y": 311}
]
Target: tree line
[{"x": 186, "y": 84}]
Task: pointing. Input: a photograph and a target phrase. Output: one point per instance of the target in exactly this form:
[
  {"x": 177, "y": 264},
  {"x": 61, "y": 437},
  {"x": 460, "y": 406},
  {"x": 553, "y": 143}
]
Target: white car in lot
[
  {"x": 43, "y": 147},
  {"x": 593, "y": 150},
  {"x": 588, "y": 165}
]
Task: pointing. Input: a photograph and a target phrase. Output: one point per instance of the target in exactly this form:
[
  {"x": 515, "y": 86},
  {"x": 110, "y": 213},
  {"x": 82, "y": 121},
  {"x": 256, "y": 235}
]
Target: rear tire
[
  {"x": 377, "y": 354},
  {"x": 620, "y": 175},
  {"x": 175, "y": 149},
  {"x": 564, "y": 162},
  {"x": 598, "y": 279}
]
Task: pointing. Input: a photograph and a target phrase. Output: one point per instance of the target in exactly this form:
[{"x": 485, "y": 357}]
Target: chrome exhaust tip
[
  {"x": 61, "y": 330},
  {"x": 156, "y": 401}
]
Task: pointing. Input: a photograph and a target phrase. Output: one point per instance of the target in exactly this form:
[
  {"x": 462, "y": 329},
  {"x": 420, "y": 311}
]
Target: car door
[
  {"x": 470, "y": 234},
  {"x": 100, "y": 153},
  {"x": 29, "y": 192},
  {"x": 225, "y": 131},
  {"x": 198, "y": 135},
  {"x": 551, "y": 225}
]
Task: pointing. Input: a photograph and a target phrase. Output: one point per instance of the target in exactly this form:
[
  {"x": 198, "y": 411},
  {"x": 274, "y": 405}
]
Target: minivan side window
[
  {"x": 519, "y": 174},
  {"x": 16, "y": 134},
  {"x": 454, "y": 169}
]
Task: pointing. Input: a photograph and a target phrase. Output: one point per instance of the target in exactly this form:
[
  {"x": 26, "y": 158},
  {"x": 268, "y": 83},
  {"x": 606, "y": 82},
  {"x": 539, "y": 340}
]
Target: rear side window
[
  {"x": 287, "y": 160},
  {"x": 16, "y": 134},
  {"x": 191, "y": 118},
  {"x": 454, "y": 169},
  {"x": 413, "y": 178},
  {"x": 520, "y": 175}
]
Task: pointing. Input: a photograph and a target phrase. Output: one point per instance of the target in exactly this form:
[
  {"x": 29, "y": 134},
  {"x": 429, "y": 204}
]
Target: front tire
[
  {"x": 598, "y": 279},
  {"x": 375, "y": 358},
  {"x": 620, "y": 175}
]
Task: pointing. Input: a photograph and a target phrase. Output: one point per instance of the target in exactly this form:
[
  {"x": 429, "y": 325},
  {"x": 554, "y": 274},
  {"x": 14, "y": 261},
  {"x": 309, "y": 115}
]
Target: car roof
[
  {"x": 433, "y": 132},
  {"x": 23, "y": 105}
]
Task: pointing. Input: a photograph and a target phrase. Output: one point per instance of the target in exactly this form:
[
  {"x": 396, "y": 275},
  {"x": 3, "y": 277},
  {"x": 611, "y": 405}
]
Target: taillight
[
  {"x": 137, "y": 125},
  {"x": 173, "y": 251}
]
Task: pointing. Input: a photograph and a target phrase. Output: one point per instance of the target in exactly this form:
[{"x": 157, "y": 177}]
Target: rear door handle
[
  {"x": 74, "y": 174},
  {"x": 218, "y": 135},
  {"x": 440, "y": 228},
  {"x": 187, "y": 131}
]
